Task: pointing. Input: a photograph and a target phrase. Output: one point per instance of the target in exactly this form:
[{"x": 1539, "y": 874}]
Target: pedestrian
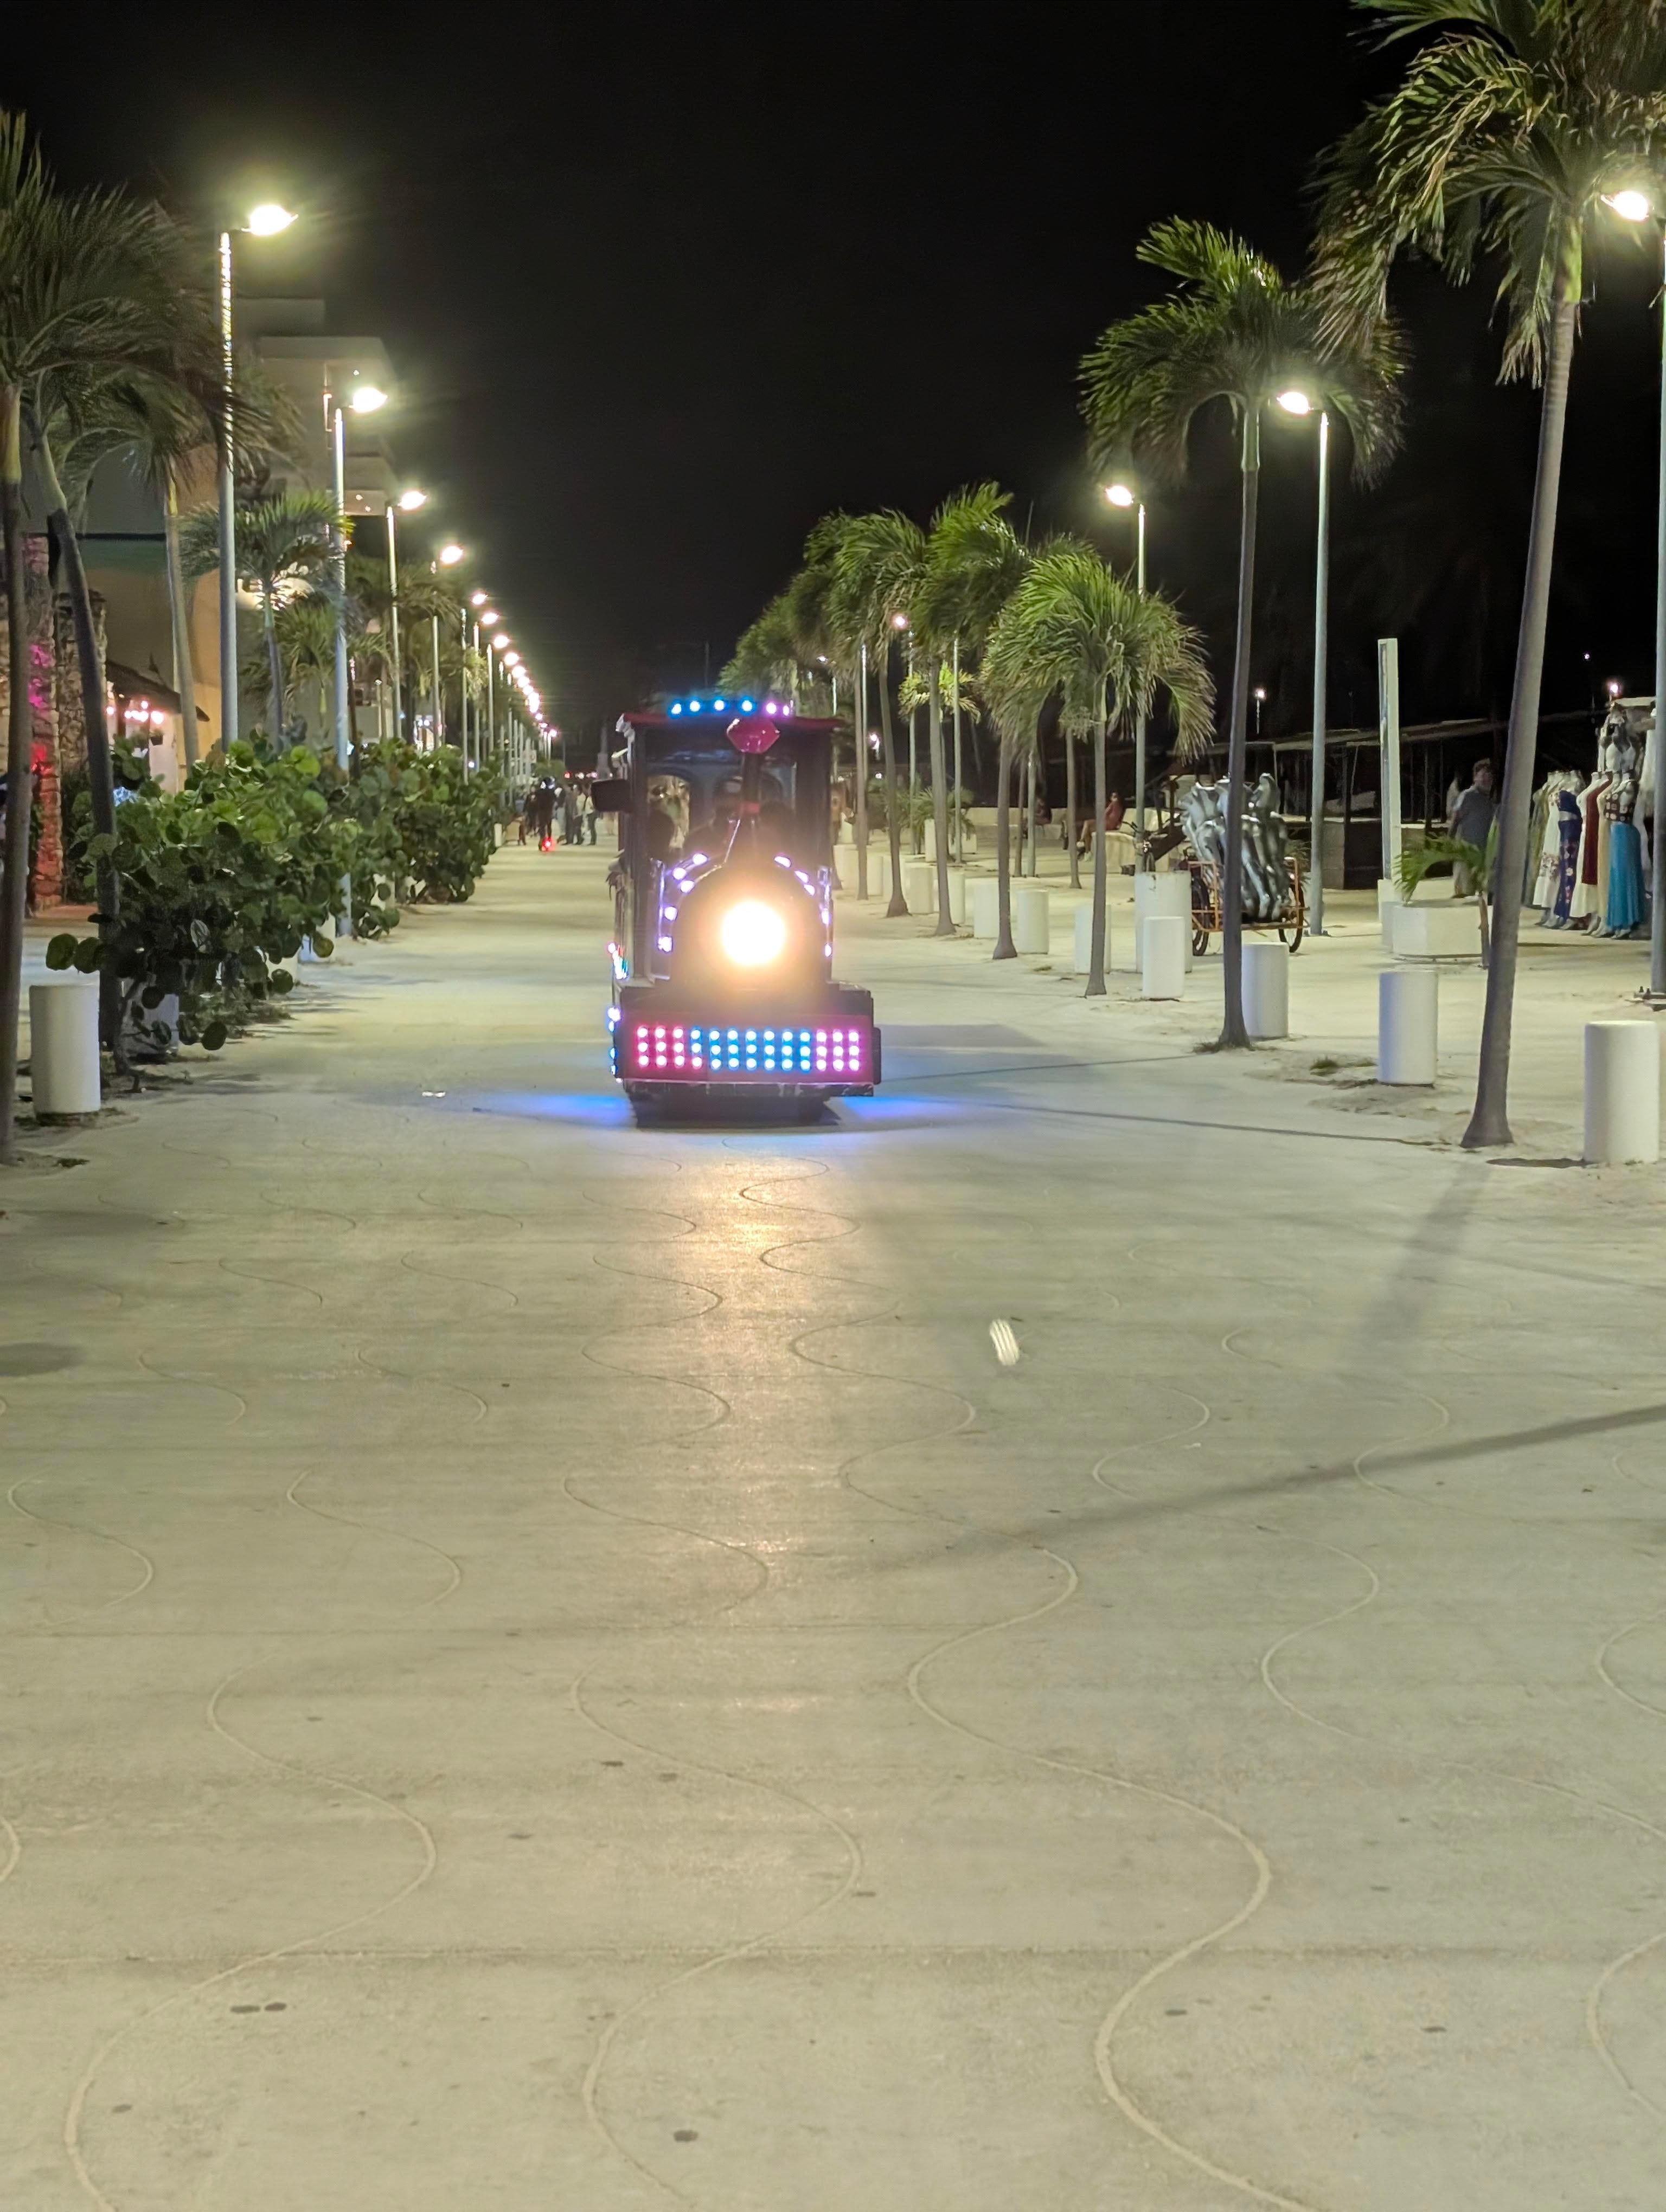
[
  {"x": 1472, "y": 821},
  {"x": 586, "y": 815}
]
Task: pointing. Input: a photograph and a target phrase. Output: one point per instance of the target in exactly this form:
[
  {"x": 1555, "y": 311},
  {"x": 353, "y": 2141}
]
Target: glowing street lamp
[
  {"x": 1633, "y": 204},
  {"x": 449, "y": 556},
  {"x": 411, "y": 501},
  {"x": 268, "y": 219}
]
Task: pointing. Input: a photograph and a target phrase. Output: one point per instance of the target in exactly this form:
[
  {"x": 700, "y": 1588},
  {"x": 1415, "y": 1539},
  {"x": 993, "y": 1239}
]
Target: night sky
[{"x": 662, "y": 284}]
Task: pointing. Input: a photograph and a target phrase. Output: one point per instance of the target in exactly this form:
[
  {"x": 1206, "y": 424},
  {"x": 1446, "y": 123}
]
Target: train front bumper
[{"x": 824, "y": 1044}]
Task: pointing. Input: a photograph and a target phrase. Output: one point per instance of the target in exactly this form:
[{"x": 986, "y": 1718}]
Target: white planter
[
  {"x": 1448, "y": 931},
  {"x": 844, "y": 866},
  {"x": 957, "y": 896},
  {"x": 1082, "y": 938}
]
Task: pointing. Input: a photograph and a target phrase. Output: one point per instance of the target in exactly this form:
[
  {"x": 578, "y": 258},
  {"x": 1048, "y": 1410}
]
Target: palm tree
[
  {"x": 1233, "y": 331},
  {"x": 1512, "y": 126},
  {"x": 875, "y": 562},
  {"x": 286, "y": 547},
  {"x": 1076, "y": 628},
  {"x": 974, "y": 561}
]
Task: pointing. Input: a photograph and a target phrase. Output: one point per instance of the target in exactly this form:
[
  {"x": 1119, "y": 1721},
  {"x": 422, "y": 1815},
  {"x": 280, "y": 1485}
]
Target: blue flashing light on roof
[
  {"x": 676, "y": 706},
  {"x": 694, "y": 706},
  {"x": 717, "y": 705},
  {"x": 746, "y": 706}
]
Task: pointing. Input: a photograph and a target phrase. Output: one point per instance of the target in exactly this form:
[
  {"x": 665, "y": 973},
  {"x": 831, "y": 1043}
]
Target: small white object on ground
[
  {"x": 1005, "y": 1343},
  {"x": 1622, "y": 1092}
]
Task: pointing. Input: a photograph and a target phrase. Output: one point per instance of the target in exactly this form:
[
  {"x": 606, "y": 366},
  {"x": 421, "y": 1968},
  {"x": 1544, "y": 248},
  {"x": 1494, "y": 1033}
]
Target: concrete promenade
[{"x": 546, "y": 1665}]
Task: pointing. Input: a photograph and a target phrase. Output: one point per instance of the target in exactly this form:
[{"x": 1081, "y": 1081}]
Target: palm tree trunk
[
  {"x": 893, "y": 796},
  {"x": 274, "y": 666},
  {"x": 179, "y": 608},
  {"x": 1070, "y": 811},
  {"x": 1096, "y": 958},
  {"x": 1005, "y": 948},
  {"x": 1490, "y": 1122},
  {"x": 100, "y": 775},
  {"x": 19, "y": 739},
  {"x": 1232, "y": 1030},
  {"x": 940, "y": 803}
]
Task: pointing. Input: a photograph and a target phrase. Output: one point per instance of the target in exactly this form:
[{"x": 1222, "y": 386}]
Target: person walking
[{"x": 1472, "y": 820}]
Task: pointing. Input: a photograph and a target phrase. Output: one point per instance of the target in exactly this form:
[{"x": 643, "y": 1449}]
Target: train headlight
[{"x": 752, "y": 934}]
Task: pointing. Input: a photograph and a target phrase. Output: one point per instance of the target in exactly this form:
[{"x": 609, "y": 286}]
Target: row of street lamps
[{"x": 267, "y": 221}]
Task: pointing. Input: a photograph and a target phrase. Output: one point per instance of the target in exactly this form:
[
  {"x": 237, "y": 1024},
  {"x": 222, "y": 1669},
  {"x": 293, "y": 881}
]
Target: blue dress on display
[
  {"x": 1624, "y": 909},
  {"x": 1567, "y": 812}
]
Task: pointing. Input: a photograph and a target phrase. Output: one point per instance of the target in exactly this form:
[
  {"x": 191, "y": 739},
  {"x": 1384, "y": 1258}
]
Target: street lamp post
[
  {"x": 408, "y": 502},
  {"x": 1636, "y": 206},
  {"x": 264, "y": 221},
  {"x": 1124, "y": 495},
  {"x": 1297, "y": 402}
]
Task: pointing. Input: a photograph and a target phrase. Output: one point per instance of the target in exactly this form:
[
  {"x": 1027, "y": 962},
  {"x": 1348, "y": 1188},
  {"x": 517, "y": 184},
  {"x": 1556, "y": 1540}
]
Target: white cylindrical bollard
[
  {"x": 1082, "y": 930},
  {"x": 1407, "y": 1024},
  {"x": 985, "y": 905},
  {"x": 1622, "y": 1092},
  {"x": 920, "y": 885},
  {"x": 1144, "y": 902},
  {"x": 879, "y": 872},
  {"x": 1173, "y": 894},
  {"x": 1163, "y": 962},
  {"x": 1266, "y": 990},
  {"x": 1029, "y": 918},
  {"x": 1388, "y": 898},
  {"x": 958, "y": 895},
  {"x": 844, "y": 865},
  {"x": 64, "y": 1049}
]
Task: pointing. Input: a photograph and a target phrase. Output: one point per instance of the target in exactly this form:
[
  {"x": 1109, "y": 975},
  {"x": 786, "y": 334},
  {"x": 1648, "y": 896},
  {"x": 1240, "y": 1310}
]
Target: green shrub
[{"x": 222, "y": 881}]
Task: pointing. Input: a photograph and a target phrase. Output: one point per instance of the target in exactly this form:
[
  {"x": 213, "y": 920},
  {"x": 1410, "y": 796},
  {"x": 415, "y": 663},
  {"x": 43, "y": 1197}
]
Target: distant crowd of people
[{"x": 568, "y": 803}]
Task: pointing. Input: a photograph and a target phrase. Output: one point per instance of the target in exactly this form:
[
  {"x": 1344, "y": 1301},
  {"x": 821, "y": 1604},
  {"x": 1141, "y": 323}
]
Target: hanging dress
[
  {"x": 1585, "y": 890},
  {"x": 1567, "y": 859},
  {"x": 1623, "y": 909},
  {"x": 1570, "y": 821},
  {"x": 1549, "y": 848}
]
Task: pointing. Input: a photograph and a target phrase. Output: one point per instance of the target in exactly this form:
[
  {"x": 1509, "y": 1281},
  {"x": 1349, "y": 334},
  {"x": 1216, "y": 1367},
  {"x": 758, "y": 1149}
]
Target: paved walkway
[{"x": 549, "y": 1666}]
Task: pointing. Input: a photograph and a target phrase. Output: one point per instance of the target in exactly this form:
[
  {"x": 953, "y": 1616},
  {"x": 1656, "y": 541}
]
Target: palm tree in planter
[
  {"x": 974, "y": 561},
  {"x": 1233, "y": 332},
  {"x": 875, "y": 562},
  {"x": 286, "y": 548},
  {"x": 1075, "y": 627},
  {"x": 1515, "y": 123}
]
